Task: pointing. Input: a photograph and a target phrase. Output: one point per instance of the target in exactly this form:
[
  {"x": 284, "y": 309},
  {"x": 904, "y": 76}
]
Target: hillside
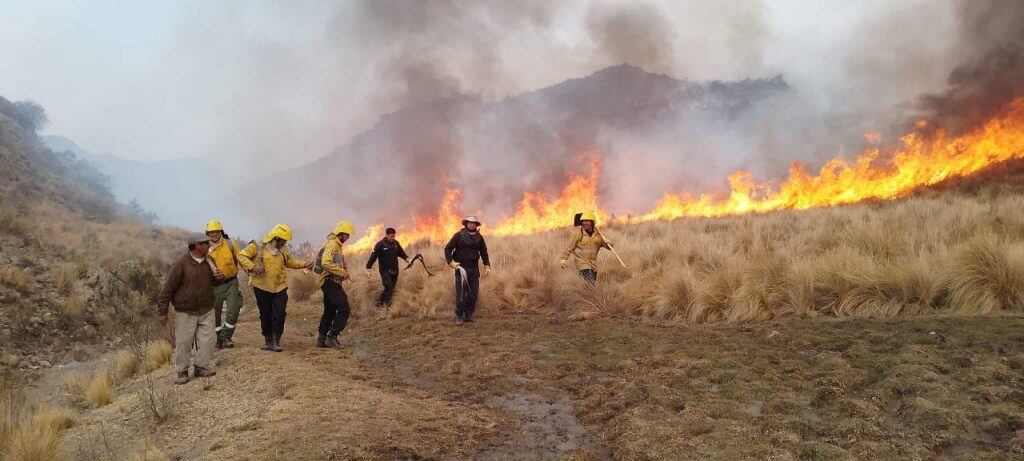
[
  {"x": 160, "y": 187},
  {"x": 401, "y": 167},
  {"x": 78, "y": 268},
  {"x": 886, "y": 330}
]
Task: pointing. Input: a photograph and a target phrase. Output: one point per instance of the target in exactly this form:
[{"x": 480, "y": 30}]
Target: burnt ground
[{"x": 522, "y": 387}]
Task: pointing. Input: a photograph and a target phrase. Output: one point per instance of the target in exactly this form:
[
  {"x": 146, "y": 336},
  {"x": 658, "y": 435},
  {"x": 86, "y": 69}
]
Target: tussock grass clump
[
  {"x": 64, "y": 277},
  {"x": 73, "y": 306},
  {"x": 33, "y": 434},
  {"x": 946, "y": 253},
  {"x": 34, "y": 442},
  {"x": 15, "y": 277},
  {"x": 158, "y": 353},
  {"x": 100, "y": 390},
  {"x": 126, "y": 364},
  {"x": 302, "y": 285},
  {"x": 987, "y": 275}
]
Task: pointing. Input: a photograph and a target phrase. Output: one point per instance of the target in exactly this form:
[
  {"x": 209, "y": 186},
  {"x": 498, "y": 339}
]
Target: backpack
[
  {"x": 318, "y": 267},
  {"x": 258, "y": 260}
]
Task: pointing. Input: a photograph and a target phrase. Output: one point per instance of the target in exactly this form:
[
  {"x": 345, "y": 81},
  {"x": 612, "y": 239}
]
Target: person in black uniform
[
  {"x": 462, "y": 253},
  {"x": 387, "y": 251}
]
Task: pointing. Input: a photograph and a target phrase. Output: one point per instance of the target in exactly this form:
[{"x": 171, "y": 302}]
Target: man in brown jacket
[{"x": 189, "y": 287}]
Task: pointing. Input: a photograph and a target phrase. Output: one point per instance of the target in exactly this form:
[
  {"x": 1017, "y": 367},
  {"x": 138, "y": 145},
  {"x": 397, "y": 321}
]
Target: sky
[{"x": 282, "y": 83}]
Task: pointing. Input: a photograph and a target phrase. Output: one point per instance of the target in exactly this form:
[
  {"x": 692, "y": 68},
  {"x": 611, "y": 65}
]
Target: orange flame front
[{"x": 875, "y": 174}]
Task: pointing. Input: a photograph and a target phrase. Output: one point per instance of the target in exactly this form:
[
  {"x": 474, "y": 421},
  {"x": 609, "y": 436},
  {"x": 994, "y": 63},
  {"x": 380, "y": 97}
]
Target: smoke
[
  {"x": 369, "y": 110},
  {"x": 993, "y": 73}
]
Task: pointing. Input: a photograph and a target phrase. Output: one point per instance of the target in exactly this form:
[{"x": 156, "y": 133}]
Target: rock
[
  {"x": 101, "y": 288},
  {"x": 35, "y": 320},
  {"x": 11, "y": 360},
  {"x": 44, "y": 364}
]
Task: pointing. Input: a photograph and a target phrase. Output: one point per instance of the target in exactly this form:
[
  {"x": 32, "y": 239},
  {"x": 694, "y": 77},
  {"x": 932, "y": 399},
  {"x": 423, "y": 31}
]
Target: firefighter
[
  {"x": 387, "y": 251},
  {"x": 333, "y": 270},
  {"x": 584, "y": 247},
  {"x": 224, "y": 254},
  {"x": 462, "y": 253},
  {"x": 266, "y": 261}
]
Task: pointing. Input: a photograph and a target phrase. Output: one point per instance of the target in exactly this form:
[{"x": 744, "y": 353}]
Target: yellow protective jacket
[
  {"x": 274, "y": 278},
  {"x": 333, "y": 262},
  {"x": 584, "y": 249},
  {"x": 224, "y": 257}
]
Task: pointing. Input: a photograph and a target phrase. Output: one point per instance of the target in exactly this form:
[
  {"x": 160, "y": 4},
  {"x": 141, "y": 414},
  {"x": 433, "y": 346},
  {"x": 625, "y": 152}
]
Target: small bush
[
  {"x": 158, "y": 354},
  {"x": 100, "y": 390}
]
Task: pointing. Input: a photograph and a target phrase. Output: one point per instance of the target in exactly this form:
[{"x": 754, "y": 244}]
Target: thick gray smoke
[
  {"x": 451, "y": 71},
  {"x": 992, "y": 74},
  {"x": 368, "y": 110}
]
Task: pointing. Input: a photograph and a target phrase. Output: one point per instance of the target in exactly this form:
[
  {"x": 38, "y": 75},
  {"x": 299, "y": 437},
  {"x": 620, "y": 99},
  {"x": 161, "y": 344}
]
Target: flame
[{"x": 888, "y": 173}]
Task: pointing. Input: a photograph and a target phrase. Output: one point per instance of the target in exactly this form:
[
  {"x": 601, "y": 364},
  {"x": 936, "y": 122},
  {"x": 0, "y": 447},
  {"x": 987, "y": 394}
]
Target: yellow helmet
[
  {"x": 344, "y": 227},
  {"x": 281, "y": 231},
  {"x": 588, "y": 216},
  {"x": 214, "y": 226}
]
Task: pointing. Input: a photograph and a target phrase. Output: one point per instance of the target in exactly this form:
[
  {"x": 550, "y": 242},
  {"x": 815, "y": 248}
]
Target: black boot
[
  {"x": 228, "y": 343},
  {"x": 320, "y": 341},
  {"x": 275, "y": 344},
  {"x": 268, "y": 343},
  {"x": 220, "y": 342},
  {"x": 468, "y": 318}
]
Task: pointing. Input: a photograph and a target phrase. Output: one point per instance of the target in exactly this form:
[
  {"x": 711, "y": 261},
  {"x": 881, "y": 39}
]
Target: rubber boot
[
  {"x": 267, "y": 343},
  {"x": 332, "y": 342},
  {"x": 320, "y": 341},
  {"x": 220, "y": 342},
  {"x": 275, "y": 344}
]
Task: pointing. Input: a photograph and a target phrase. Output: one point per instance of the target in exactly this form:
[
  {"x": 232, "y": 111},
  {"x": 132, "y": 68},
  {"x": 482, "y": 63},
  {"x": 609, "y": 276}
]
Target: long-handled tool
[
  {"x": 419, "y": 257},
  {"x": 610, "y": 247}
]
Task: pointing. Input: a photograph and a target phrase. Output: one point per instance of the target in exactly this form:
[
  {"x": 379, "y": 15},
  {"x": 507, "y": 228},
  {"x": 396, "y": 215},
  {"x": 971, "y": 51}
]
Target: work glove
[
  {"x": 310, "y": 265},
  {"x": 487, "y": 271},
  {"x": 563, "y": 262},
  {"x": 453, "y": 265},
  {"x": 258, "y": 270},
  {"x": 217, "y": 274},
  {"x": 163, "y": 319}
]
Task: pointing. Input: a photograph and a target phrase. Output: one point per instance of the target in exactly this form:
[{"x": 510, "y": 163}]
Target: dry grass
[
  {"x": 31, "y": 435},
  {"x": 148, "y": 452},
  {"x": 17, "y": 278},
  {"x": 158, "y": 353},
  {"x": 126, "y": 364},
  {"x": 64, "y": 277},
  {"x": 302, "y": 285},
  {"x": 100, "y": 390},
  {"x": 939, "y": 254},
  {"x": 73, "y": 306}
]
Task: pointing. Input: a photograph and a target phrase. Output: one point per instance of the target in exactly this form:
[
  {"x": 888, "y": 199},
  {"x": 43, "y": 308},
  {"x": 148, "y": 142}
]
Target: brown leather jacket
[{"x": 189, "y": 287}]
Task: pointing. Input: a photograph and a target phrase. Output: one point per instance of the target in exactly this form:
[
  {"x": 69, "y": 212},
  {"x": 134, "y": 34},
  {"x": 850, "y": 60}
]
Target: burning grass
[{"x": 951, "y": 253}]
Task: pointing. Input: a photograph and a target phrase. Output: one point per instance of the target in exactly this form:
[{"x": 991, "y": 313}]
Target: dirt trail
[{"x": 309, "y": 403}]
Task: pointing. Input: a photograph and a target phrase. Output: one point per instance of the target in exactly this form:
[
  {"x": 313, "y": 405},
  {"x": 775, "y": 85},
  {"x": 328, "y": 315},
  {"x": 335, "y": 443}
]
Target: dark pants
[
  {"x": 589, "y": 275},
  {"x": 272, "y": 311},
  {"x": 388, "y": 278},
  {"x": 466, "y": 291},
  {"x": 336, "y": 310}
]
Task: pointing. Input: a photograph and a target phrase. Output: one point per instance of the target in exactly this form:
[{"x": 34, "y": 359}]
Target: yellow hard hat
[
  {"x": 588, "y": 216},
  {"x": 281, "y": 231},
  {"x": 344, "y": 227},
  {"x": 214, "y": 226}
]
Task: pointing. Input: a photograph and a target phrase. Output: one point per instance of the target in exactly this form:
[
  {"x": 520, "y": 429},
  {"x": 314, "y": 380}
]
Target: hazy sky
[{"x": 281, "y": 83}]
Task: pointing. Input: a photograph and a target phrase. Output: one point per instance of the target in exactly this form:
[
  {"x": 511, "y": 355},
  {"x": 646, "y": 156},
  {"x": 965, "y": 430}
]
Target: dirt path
[{"x": 309, "y": 403}]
